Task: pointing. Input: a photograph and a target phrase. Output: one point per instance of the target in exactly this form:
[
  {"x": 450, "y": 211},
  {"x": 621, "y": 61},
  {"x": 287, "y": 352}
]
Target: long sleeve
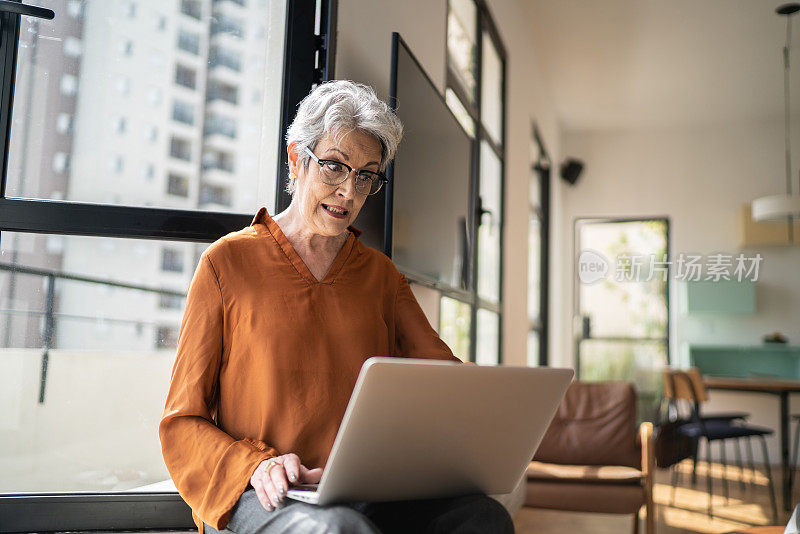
[
  {"x": 210, "y": 468},
  {"x": 414, "y": 335}
]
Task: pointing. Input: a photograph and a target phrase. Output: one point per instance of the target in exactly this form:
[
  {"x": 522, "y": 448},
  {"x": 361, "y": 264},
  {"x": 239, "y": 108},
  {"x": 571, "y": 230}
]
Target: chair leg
[
  {"x": 673, "y": 483},
  {"x": 636, "y": 523},
  {"x": 724, "y": 471},
  {"x": 794, "y": 457},
  {"x": 752, "y": 463},
  {"x": 739, "y": 462},
  {"x": 709, "y": 482},
  {"x": 695, "y": 448},
  {"x": 768, "y": 467}
]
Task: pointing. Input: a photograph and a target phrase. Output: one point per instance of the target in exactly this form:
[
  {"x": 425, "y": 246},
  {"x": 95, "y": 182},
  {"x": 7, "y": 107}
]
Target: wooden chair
[
  {"x": 683, "y": 386},
  {"x": 593, "y": 458},
  {"x": 702, "y": 396}
]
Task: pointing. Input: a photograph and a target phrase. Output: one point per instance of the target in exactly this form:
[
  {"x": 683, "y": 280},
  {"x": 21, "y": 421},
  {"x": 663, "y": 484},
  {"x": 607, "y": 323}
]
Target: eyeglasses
[{"x": 334, "y": 172}]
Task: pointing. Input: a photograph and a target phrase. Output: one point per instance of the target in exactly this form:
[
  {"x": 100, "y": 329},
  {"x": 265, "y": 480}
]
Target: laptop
[{"x": 424, "y": 429}]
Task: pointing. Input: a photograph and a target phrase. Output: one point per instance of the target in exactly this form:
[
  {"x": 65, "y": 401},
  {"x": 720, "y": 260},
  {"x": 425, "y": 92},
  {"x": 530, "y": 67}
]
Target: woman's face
[{"x": 359, "y": 150}]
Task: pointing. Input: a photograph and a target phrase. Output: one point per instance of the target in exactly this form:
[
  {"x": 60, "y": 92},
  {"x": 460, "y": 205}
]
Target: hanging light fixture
[{"x": 780, "y": 207}]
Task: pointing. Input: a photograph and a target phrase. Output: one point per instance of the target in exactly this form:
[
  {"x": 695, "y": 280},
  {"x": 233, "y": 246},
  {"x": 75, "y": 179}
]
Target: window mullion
[{"x": 9, "y": 34}]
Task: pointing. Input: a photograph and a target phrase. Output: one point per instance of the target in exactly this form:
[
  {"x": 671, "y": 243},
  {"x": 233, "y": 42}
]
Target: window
[
  {"x": 218, "y": 195},
  {"x": 538, "y": 251},
  {"x": 171, "y": 302},
  {"x": 72, "y": 47},
  {"x": 220, "y": 56},
  {"x": 69, "y": 84},
  {"x": 166, "y": 337},
  {"x": 64, "y": 123},
  {"x": 177, "y": 185},
  {"x": 61, "y": 162},
  {"x": 222, "y": 91},
  {"x": 225, "y": 24},
  {"x": 193, "y": 8},
  {"x": 113, "y": 327},
  {"x": 476, "y": 66},
  {"x": 219, "y": 124},
  {"x": 219, "y": 160},
  {"x": 185, "y": 76},
  {"x": 183, "y": 112},
  {"x": 171, "y": 260},
  {"x": 189, "y": 41},
  {"x": 180, "y": 148},
  {"x": 75, "y": 8}
]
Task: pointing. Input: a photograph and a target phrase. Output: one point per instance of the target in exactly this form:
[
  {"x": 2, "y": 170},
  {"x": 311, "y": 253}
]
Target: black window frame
[
  {"x": 308, "y": 59},
  {"x": 484, "y": 24},
  {"x": 542, "y": 168}
]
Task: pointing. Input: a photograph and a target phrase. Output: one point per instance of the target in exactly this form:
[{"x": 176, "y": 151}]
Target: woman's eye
[
  {"x": 333, "y": 166},
  {"x": 364, "y": 178}
]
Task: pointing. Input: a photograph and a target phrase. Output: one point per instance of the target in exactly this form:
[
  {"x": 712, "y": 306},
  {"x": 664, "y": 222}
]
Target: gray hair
[{"x": 337, "y": 108}]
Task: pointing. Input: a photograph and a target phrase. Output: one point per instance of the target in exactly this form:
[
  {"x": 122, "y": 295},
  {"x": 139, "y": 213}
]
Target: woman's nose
[{"x": 348, "y": 188}]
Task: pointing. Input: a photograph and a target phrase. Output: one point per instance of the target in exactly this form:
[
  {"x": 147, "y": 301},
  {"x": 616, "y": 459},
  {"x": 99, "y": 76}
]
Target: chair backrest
[
  {"x": 595, "y": 424},
  {"x": 676, "y": 385}
]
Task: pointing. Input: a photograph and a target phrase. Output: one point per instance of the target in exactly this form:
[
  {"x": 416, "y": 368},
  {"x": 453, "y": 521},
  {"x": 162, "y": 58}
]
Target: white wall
[
  {"x": 363, "y": 48},
  {"x": 699, "y": 176}
]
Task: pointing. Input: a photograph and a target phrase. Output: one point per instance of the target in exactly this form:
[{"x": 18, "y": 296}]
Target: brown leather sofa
[{"x": 592, "y": 458}]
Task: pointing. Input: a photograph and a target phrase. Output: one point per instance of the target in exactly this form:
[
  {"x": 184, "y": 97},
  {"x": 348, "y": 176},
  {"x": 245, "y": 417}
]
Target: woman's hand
[{"x": 271, "y": 487}]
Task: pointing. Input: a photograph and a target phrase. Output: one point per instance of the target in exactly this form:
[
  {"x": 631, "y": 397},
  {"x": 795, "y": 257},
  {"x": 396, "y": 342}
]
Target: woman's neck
[{"x": 297, "y": 232}]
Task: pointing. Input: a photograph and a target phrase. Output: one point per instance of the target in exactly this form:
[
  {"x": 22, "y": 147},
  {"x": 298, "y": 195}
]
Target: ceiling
[{"x": 622, "y": 64}]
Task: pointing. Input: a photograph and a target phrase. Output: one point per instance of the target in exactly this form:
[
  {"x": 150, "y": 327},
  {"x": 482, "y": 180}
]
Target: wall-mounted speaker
[{"x": 571, "y": 170}]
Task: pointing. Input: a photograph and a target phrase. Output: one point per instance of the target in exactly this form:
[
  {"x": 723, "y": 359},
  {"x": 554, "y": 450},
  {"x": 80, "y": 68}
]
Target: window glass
[
  {"x": 461, "y": 40},
  {"x": 488, "y": 338},
  {"x": 454, "y": 326},
  {"x": 176, "y": 68},
  {"x": 534, "y": 266},
  {"x": 492, "y": 90},
  {"x": 460, "y": 112},
  {"x": 533, "y": 348},
  {"x": 106, "y": 371},
  {"x": 489, "y": 230}
]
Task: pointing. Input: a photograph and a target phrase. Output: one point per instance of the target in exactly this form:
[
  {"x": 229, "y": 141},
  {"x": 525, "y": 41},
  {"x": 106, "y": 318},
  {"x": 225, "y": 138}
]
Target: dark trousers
[{"x": 471, "y": 514}]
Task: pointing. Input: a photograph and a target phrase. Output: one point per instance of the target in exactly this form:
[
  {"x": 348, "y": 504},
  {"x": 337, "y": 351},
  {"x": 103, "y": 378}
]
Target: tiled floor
[{"x": 745, "y": 508}]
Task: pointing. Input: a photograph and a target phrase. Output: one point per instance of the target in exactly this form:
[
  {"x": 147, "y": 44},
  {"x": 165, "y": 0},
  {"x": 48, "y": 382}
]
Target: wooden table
[{"x": 781, "y": 388}]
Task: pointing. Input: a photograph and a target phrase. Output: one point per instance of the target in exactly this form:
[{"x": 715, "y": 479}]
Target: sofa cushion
[
  {"x": 595, "y": 424},
  {"x": 591, "y": 474},
  {"x": 579, "y": 497}
]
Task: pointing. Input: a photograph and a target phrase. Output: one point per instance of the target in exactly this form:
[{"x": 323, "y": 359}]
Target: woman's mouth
[{"x": 335, "y": 211}]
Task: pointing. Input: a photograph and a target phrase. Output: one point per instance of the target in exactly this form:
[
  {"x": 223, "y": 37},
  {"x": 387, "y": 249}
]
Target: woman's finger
[
  {"x": 258, "y": 486},
  {"x": 272, "y": 494},
  {"x": 310, "y": 476},
  {"x": 277, "y": 476},
  {"x": 291, "y": 464}
]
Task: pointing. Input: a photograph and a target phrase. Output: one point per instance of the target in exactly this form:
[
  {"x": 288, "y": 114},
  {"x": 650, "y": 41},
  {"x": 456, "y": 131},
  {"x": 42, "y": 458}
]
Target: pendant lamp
[{"x": 780, "y": 207}]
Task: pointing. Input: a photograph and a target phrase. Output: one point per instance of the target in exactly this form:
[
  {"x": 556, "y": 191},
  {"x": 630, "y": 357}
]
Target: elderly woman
[{"x": 278, "y": 320}]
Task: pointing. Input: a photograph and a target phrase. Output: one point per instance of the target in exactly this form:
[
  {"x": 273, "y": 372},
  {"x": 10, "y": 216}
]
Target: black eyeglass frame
[{"x": 379, "y": 175}]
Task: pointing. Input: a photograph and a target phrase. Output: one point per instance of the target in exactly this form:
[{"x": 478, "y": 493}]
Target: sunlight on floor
[{"x": 688, "y": 513}]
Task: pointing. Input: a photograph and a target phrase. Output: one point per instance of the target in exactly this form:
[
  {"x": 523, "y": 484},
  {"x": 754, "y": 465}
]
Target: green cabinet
[{"x": 772, "y": 360}]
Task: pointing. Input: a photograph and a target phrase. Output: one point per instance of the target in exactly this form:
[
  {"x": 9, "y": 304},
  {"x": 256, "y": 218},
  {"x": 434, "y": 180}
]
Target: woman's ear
[{"x": 293, "y": 158}]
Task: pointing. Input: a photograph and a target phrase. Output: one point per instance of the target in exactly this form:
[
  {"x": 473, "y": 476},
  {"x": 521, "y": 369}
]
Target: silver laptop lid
[{"x": 418, "y": 429}]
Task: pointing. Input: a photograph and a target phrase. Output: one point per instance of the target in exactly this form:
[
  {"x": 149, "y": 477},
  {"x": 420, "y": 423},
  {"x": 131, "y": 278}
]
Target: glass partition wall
[
  {"x": 476, "y": 95},
  {"x": 138, "y": 132}
]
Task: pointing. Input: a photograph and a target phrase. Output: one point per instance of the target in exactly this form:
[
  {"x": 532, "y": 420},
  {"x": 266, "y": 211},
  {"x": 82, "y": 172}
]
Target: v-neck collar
[{"x": 262, "y": 217}]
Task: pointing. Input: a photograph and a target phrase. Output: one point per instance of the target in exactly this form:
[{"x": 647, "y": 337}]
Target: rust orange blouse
[{"x": 268, "y": 356}]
